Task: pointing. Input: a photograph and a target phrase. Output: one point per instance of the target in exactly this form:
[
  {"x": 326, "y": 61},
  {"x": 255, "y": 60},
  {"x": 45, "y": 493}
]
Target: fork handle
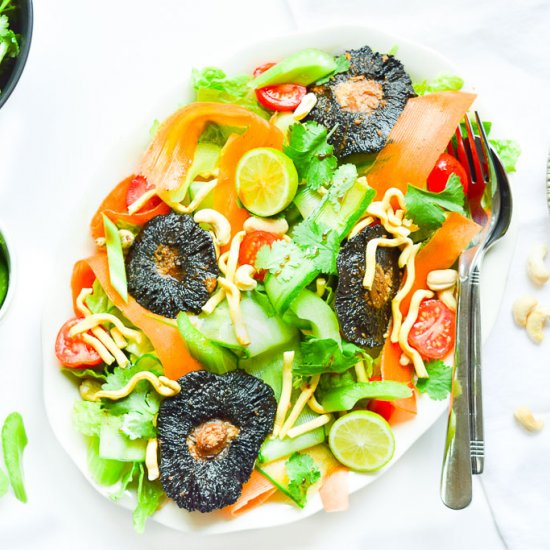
[
  {"x": 456, "y": 475},
  {"x": 477, "y": 442}
]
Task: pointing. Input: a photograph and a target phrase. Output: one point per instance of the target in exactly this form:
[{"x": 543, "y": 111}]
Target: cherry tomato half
[
  {"x": 383, "y": 408},
  {"x": 262, "y": 69},
  {"x": 445, "y": 166},
  {"x": 138, "y": 186},
  {"x": 433, "y": 332},
  {"x": 252, "y": 242},
  {"x": 73, "y": 352},
  {"x": 281, "y": 97}
]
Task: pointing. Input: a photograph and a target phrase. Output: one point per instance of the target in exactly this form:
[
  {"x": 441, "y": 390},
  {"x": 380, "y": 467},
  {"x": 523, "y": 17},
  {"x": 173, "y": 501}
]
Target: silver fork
[{"x": 489, "y": 202}]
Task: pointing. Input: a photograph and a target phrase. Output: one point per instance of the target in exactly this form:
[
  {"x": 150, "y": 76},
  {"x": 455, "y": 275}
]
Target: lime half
[
  {"x": 266, "y": 181},
  {"x": 362, "y": 441}
]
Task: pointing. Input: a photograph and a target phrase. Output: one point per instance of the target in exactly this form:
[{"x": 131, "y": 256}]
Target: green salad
[{"x": 273, "y": 290}]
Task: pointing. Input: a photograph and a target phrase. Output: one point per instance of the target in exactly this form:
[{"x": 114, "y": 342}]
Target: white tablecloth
[{"x": 96, "y": 70}]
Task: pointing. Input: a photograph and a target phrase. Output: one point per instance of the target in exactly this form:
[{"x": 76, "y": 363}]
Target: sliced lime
[
  {"x": 362, "y": 441},
  {"x": 266, "y": 181}
]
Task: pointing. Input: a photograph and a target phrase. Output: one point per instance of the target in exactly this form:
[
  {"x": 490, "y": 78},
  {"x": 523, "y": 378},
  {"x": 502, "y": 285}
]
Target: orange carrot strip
[
  {"x": 255, "y": 492},
  {"x": 420, "y": 135},
  {"x": 82, "y": 277},
  {"x": 442, "y": 250},
  {"x": 391, "y": 369},
  {"x": 335, "y": 491},
  {"x": 169, "y": 345},
  {"x": 171, "y": 153},
  {"x": 115, "y": 208}
]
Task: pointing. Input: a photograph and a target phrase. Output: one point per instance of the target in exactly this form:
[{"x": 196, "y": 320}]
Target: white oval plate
[{"x": 60, "y": 393}]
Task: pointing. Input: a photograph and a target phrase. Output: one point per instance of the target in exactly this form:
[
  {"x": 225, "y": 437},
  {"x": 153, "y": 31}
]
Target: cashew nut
[
  {"x": 219, "y": 223},
  {"x": 244, "y": 277},
  {"x": 278, "y": 226},
  {"x": 521, "y": 309},
  {"x": 536, "y": 268},
  {"x": 536, "y": 320},
  {"x": 525, "y": 417},
  {"x": 126, "y": 238},
  {"x": 441, "y": 279},
  {"x": 305, "y": 106},
  {"x": 88, "y": 389},
  {"x": 447, "y": 296}
]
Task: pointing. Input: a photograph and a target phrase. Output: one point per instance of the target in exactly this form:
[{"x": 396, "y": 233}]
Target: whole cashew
[
  {"x": 278, "y": 226},
  {"x": 536, "y": 268},
  {"x": 219, "y": 223},
  {"x": 525, "y": 417},
  {"x": 536, "y": 320},
  {"x": 521, "y": 309}
]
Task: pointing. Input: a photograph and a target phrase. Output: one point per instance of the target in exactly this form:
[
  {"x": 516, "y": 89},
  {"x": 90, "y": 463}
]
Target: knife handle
[
  {"x": 477, "y": 442},
  {"x": 456, "y": 475}
]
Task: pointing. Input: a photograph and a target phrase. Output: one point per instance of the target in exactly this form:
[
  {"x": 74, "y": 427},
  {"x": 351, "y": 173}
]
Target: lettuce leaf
[
  {"x": 150, "y": 495},
  {"x": 441, "y": 83},
  {"x": 508, "y": 151},
  {"x": 212, "y": 84}
]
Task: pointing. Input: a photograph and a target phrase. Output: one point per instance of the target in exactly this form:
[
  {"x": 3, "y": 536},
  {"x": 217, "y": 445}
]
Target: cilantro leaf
[
  {"x": 137, "y": 409},
  {"x": 324, "y": 355},
  {"x": 342, "y": 65},
  {"x": 318, "y": 243},
  {"x": 438, "y": 385},
  {"x": 311, "y": 153},
  {"x": 212, "y": 84},
  {"x": 441, "y": 83},
  {"x": 426, "y": 209},
  {"x": 302, "y": 474},
  {"x": 280, "y": 259},
  {"x": 508, "y": 151}
]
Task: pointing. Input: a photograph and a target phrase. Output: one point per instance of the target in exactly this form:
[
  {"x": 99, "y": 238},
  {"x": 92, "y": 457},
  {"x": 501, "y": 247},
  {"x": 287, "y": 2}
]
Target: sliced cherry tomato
[
  {"x": 383, "y": 408},
  {"x": 281, "y": 97},
  {"x": 262, "y": 69},
  {"x": 433, "y": 332},
  {"x": 138, "y": 186},
  {"x": 73, "y": 352},
  {"x": 252, "y": 242},
  {"x": 445, "y": 166}
]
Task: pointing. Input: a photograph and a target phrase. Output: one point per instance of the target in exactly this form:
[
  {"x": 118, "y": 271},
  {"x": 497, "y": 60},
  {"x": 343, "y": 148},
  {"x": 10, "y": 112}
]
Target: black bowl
[{"x": 11, "y": 69}]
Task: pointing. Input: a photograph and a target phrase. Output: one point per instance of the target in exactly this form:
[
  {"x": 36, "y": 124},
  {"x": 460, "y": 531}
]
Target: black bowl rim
[{"x": 22, "y": 57}]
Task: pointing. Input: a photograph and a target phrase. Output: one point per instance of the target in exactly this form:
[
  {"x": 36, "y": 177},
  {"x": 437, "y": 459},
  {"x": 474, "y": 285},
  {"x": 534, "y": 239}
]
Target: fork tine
[
  {"x": 484, "y": 145},
  {"x": 462, "y": 153},
  {"x": 473, "y": 152}
]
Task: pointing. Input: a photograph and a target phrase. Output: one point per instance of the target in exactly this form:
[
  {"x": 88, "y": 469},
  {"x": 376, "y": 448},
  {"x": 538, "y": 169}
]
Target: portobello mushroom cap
[
  {"x": 363, "y": 104},
  {"x": 364, "y": 315},
  {"x": 210, "y": 435},
  {"x": 171, "y": 266}
]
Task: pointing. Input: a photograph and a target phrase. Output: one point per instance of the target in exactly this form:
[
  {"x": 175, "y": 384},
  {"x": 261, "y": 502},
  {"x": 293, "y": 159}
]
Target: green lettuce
[
  {"x": 212, "y": 84},
  {"x": 441, "y": 83}
]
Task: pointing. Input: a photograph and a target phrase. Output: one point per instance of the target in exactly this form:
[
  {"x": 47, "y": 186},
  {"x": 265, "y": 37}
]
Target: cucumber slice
[
  {"x": 352, "y": 207},
  {"x": 265, "y": 329},
  {"x": 114, "y": 445},
  {"x": 307, "y": 202},
  {"x": 214, "y": 358},
  {"x": 273, "y": 449},
  {"x": 303, "y": 67},
  {"x": 282, "y": 293},
  {"x": 324, "y": 323},
  {"x": 206, "y": 159}
]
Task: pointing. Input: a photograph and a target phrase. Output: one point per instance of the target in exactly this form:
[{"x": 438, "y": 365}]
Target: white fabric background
[{"x": 72, "y": 108}]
